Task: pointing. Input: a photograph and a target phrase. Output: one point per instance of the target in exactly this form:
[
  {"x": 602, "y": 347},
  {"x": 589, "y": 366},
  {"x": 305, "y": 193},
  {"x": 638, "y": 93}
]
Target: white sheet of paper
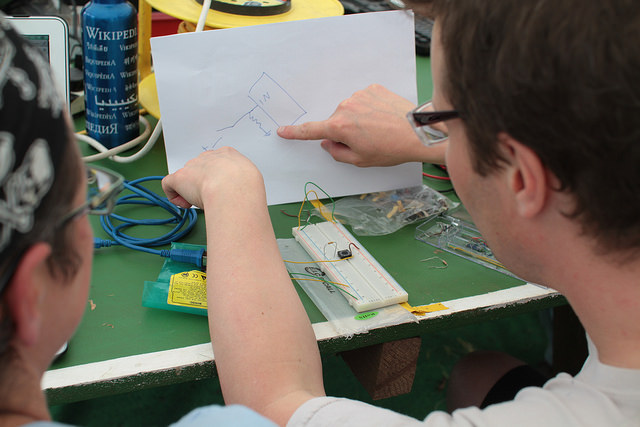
[{"x": 235, "y": 87}]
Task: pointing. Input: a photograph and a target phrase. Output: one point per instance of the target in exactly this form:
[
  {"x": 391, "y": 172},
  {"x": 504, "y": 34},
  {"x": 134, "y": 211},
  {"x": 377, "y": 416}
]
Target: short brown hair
[{"x": 563, "y": 78}]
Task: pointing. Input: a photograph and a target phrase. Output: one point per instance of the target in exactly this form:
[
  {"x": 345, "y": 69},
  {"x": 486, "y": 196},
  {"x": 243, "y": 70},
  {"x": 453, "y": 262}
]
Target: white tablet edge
[{"x": 58, "y": 31}]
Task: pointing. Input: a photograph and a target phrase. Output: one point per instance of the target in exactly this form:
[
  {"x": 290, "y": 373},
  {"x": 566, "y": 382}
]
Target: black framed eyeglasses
[
  {"x": 103, "y": 185},
  {"x": 423, "y": 118}
]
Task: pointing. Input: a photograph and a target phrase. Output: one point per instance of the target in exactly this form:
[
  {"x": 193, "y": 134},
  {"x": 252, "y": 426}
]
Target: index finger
[{"x": 305, "y": 131}]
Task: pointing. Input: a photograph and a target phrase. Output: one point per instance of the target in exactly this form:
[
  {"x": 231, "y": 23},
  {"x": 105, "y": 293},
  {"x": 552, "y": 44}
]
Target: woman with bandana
[{"x": 46, "y": 241}]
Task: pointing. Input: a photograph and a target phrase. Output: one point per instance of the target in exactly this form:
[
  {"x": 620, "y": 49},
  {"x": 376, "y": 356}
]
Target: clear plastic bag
[
  {"x": 341, "y": 316},
  {"x": 377, "y": 214}
]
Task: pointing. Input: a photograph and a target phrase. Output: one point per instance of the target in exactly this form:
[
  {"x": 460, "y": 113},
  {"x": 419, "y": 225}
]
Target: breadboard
[{"x": 368, "y": 284}]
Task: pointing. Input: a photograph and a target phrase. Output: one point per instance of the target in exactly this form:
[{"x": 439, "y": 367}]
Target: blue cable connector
[{"x": 182, "y": 220}]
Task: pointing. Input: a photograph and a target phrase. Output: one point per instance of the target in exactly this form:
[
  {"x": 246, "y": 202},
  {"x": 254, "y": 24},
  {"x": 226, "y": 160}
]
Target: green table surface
[{"x": 116, "y": 325}]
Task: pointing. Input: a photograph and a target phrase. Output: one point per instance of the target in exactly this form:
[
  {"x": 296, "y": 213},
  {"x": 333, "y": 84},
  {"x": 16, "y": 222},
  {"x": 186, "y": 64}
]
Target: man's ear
[
  {"x": 527, "y": 178},
  {"x": 25, "y": 292}
]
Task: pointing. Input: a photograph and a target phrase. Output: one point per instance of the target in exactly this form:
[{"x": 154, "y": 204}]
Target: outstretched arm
[
  {"x": 265, "y": 349},
  {"x": 369, "y": 129}
]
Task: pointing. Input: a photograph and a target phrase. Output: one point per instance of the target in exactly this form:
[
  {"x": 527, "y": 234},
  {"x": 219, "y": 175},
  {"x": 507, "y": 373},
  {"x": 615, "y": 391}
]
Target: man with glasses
[{"x": 538, "y": 102}]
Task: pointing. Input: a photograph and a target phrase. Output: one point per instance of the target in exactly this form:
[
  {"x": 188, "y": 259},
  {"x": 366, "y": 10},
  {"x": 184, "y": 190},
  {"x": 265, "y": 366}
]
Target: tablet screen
[{"x": 42, "y": 43}]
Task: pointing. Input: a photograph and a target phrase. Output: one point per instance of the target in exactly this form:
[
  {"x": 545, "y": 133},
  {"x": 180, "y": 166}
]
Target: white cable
[
  {"x": 106, "y": 153},
  {"x": 206, "y": 4},
  {"x": 111, "y": 153},
  {"x": 144, "y": 150}
]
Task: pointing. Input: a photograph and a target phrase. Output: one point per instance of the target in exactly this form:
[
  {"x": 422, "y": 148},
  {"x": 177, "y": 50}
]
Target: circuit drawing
[{"x": 273, "y": 107}]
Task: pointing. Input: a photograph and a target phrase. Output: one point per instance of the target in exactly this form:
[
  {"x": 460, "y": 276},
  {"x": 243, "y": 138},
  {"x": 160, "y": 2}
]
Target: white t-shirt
[{"x": 599, "y": 395}]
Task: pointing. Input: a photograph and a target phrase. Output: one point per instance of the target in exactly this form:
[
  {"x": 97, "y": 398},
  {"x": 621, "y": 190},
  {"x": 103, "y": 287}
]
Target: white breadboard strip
[{"x": 365, "y": 279}]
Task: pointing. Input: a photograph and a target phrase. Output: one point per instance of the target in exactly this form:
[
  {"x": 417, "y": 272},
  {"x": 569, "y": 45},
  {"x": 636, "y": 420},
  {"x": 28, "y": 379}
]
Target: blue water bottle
[{"x": 110, "y": 50}]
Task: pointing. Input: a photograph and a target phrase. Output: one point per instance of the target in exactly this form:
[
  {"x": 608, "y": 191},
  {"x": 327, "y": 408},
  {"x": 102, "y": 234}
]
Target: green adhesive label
[{"x": 367, "y": 315}]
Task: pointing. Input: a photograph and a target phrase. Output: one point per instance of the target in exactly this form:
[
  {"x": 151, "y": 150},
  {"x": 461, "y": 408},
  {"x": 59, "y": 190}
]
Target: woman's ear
[
  {"x": 25, "y": 293},
  {"x": 527, "y": 177}
]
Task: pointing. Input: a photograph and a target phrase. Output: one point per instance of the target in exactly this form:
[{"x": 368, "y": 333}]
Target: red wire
[{"x": 443, "y": 178}]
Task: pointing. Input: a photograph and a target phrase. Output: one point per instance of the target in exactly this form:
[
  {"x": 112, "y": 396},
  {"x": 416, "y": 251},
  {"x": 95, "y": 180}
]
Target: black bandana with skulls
[{"x": 33, "y": 134}]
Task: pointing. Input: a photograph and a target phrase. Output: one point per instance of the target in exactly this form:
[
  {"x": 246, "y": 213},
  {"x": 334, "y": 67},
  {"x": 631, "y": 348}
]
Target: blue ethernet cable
[{"x": 115, "y": 225}]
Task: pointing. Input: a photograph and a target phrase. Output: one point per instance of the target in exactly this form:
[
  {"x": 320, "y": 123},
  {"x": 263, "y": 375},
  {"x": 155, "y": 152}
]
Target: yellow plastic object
[
  {"x": 144, "y": 39},
  {"x": 148, "y": 95},
  {"x": 189, "y": 10}
]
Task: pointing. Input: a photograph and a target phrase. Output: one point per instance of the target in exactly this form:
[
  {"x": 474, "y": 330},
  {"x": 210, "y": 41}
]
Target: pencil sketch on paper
[{"x": 273, "y": 107}]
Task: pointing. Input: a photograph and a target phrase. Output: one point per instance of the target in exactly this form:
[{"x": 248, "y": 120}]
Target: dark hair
[{"x": 561, "y": 77}]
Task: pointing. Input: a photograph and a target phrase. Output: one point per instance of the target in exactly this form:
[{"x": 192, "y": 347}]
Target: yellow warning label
[{"x": 188, "y": 289}]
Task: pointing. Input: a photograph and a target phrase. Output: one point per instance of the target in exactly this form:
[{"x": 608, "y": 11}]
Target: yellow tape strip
[
  {"x": 326, "y": 213},
  {"x": 423, "y": 309}
]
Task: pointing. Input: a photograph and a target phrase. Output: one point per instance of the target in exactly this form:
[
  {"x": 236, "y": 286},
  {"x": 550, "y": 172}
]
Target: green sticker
[{"x": 367, "y": 315}]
